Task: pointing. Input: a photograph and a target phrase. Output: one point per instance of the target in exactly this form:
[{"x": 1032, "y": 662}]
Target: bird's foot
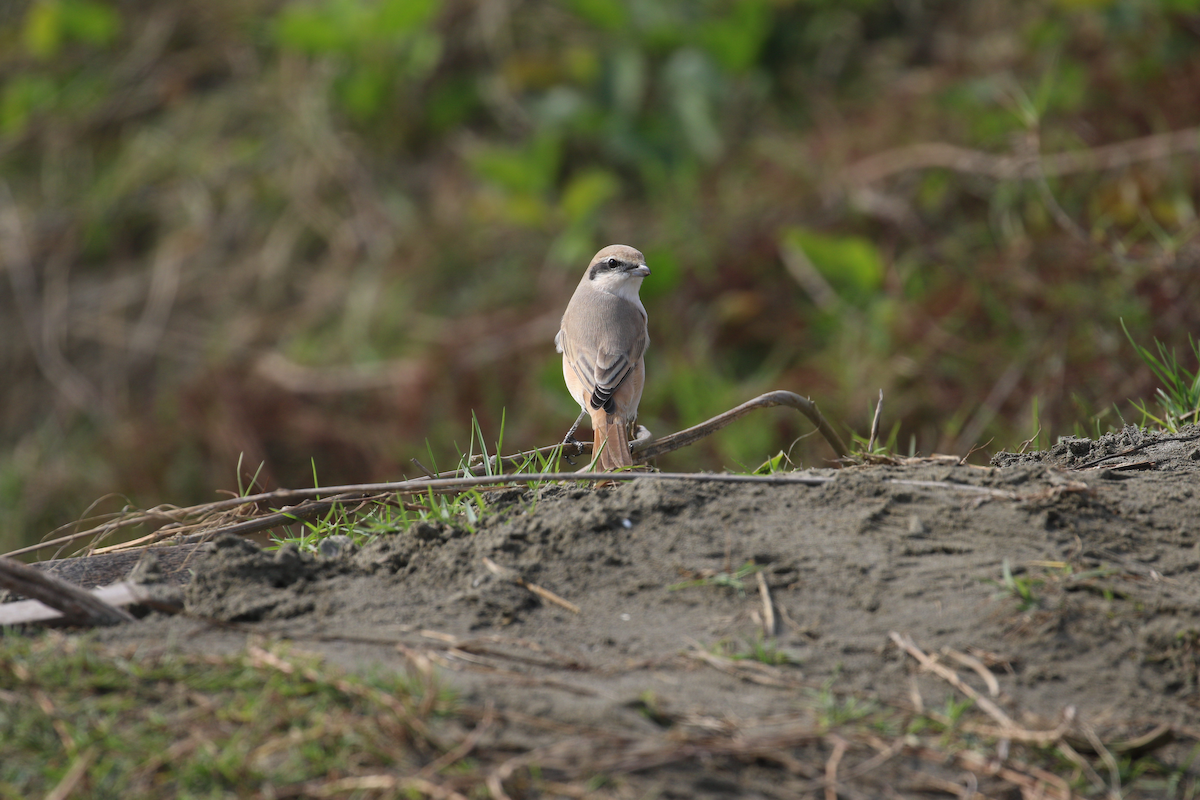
[{"x": 571, "y": 443}]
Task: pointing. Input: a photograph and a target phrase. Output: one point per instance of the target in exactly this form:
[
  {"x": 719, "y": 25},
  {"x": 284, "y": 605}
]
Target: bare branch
[
  {"x": 78, "y": 606},
  {"x": 778, "y": 398},
  {"x": 939, "y": 155}
]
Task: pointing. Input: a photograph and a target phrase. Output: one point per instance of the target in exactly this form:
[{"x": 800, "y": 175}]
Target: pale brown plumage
[{"x": 603, "y": 339}]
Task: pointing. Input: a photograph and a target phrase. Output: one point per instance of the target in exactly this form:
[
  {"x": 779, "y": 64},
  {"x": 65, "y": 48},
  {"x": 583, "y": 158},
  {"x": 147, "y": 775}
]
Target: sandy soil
[{"x": 1110, "y": 625}]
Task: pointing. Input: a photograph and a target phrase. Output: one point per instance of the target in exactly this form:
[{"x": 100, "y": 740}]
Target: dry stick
[
  {"x": 464, "y": 747},
  {"x": 386, "y": 782},
  {"x": 170, "y": 515},
  {"x": 171, "y": 520},
  {"x": 831, "y": 767},
  {"x": 778, "y": 398},
  {"x": 932, "y": 155},
  {"x": 974, "y": 663},
  {"x": 295, "y": 513},
  {"x": 510, "y": 575},
  {"x": 1148, "y": 742},
  {"x": 78, "y": 606},
  {"x": 951, "y": 677},
  {"x": 123, "y": 593},
  {"x": 423, "y": 468},
  {"x": 875, "y": 425},
  {"x": 1054, "y": 736},
  {"x": 1082, "y": 763},
  {"x": 768, "y": 608},
  {"x": 1032, "y": 781},
  {"x": 1114, "y": 771},
  {"x": 752, "y": 671}
]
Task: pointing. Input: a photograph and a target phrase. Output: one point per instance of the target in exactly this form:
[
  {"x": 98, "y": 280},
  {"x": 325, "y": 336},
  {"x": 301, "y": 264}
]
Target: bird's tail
[{"x": 611, "y": 441}]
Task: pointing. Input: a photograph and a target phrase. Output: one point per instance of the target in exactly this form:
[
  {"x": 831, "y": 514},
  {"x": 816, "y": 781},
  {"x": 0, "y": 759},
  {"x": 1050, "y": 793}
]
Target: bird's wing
[
  {"x": 602, "y": 342},
  {"x": 619, "y": 346}
]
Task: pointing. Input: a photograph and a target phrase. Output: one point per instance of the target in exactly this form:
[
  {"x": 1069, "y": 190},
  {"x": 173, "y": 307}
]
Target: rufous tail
[{"x": 611, "y": 441}]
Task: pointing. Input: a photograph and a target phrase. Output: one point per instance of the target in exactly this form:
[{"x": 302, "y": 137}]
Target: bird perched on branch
[{"x": 603, "y": 339}]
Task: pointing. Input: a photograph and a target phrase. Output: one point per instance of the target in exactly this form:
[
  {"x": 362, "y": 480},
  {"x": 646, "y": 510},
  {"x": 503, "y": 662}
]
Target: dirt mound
[{"x": 1069, "y": 588}]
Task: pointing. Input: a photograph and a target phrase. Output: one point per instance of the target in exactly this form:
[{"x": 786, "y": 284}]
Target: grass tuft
[{"x": 1179, "y": 395}]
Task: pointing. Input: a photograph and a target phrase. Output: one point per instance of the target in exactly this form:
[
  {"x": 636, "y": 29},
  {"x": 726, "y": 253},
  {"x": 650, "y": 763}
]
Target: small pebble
[{"x": 334, "y": 546}]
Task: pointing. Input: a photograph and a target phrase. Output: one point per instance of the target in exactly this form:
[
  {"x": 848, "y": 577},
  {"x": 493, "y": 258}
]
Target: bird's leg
[{"x": 570, "y": 439}]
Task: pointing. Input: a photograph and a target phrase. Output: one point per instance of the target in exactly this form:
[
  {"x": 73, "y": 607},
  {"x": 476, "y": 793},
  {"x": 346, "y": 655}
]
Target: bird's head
[{"x": 618, "y": 269}]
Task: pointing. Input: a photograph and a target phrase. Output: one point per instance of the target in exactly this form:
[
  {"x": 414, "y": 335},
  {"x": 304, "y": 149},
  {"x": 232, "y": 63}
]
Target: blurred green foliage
[
  {"x": 328, "y": 230},
  {"x": 372, "y": 47}
]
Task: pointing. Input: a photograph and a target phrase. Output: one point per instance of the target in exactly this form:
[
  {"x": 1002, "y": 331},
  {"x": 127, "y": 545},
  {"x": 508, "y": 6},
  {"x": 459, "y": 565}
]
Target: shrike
[{"x": 603, "y": 338}]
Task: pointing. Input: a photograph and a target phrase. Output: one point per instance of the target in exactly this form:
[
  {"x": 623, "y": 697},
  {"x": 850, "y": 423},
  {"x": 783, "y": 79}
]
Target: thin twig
[
  {"x": 292, "y": 514},
  {"x": 1114, "y": 771},
  {"x": 839, "y": 750},
  {"x": 976, "y": 665},
  {"x": 875, "y": 424},
  {"x": 1073, "y": 756},
  {"x": 768, "y": 607},
  {"x": 423, "y": 468},
  {"x": 778, "y": 398},
  {"x": 1030, "y": 440},
  {"x": 951, "y": 677},
  {"x": 645, "y": 447},
  {"x": 511, "y": 575},
  {"x": 938, "y": 155},
  {"x": 464, "y": 747}
]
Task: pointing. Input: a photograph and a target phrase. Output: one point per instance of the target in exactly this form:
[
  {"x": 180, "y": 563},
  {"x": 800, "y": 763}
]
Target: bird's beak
[{"x": 641, "y": 270}]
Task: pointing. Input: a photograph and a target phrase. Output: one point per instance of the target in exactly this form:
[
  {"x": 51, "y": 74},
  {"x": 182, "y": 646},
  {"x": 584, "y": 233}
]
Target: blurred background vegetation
[{"x": 322, "y": 232}]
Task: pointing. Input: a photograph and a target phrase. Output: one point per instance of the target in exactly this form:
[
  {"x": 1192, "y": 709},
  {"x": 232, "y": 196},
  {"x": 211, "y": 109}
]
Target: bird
[{"x": 603, "y": 339}]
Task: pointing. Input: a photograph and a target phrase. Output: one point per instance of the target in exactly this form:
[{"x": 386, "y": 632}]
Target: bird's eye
[{"x": 613, "y": 262}]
